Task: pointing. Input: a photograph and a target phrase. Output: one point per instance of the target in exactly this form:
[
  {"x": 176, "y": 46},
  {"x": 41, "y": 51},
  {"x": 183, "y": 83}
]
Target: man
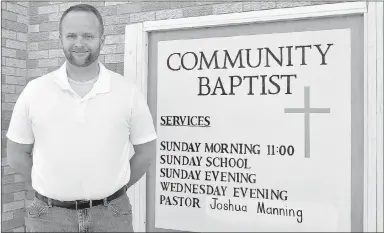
[{"x": 81, "y": 122}]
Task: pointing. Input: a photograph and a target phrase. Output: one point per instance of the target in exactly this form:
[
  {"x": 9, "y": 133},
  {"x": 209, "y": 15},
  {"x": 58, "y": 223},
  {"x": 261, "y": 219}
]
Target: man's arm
[
  {"x": 141, "y": 160},
  {"x": 19, "y": 157}
]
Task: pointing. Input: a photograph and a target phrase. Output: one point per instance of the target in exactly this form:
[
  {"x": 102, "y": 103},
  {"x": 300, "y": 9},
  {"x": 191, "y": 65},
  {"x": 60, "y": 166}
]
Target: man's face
[{"x": 81, "y": 38}]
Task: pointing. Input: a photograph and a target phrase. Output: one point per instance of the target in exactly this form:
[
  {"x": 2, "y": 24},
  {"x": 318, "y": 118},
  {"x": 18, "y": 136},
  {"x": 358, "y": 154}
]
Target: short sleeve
[
  {"x": 142, "y": 129},
  {"x": 20, "y": 127}
]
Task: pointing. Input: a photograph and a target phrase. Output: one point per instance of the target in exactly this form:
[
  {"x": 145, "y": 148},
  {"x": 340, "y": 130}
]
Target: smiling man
[{"x": 81, "y": 136}]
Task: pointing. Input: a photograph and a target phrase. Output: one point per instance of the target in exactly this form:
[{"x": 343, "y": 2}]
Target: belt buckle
[{"x": 84, "y": 201}]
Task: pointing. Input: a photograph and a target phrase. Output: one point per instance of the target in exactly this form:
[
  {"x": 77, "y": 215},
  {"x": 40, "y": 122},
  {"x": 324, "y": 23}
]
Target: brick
[
  {"x": 12, "y": 188},
  {"x": 15, "y": 26},
  {"x": 22, "y": 19},
  {"x": 30, "y": 194},
  {"x": 54, "y": 53},
  {"x": 14, "y": 80},
  {"x": 2, "y": 43},
  {"x": 65, "y": 6},
  {"x": 102, "y": 58},
  {"x": 54, "y": 17},
  {"x": 120, "y": 48},
  {"x": 5, "y": 52},
  {"x": 6, "y": 216},
  {"x": 255, "y": 6},
  {"x": 15, "y": 44},
  {"x": 227, "y": 8},
  {"x": 32, "y": 11},
  {"x": 4, "y": 133},
  {"x": 7, "y": 198},
  {"x": 7, "y": 107},
  {"x": 17, "y": 8},
  {"x": 25, "y": 4},
  {"x": 8, "y": 70},
  {"x": 21, "y": 72},
  {"x": 21, "y": 54},
  {"x": 19, "y": 212},
  {"x": 169, "y": 14},
  {"x": 13, "y": 223},
  {"x": 108, "y": 10},
  {"x": 15, "y": 63},
  {"x": 3, "y": 61},
  {"x": 49, "y": 27},
  {"x": 33, "y": 28},
  {"x": 9, "y": 89},
  {"x": 11, "y": 98},
  {"x": 10, "y": 179},
  {"x": 120, "y": 68},
  {"x": 19, "y": 178},
  {"x": 52, "y": 68},
  {"x": 3, "y": 5},
  {"x": 114, "y": 3},
  {"x": 291, "y": 4},
  {"x": 38, "y": 19},
  {"x": 197, "y": 11},
  {"x": 114, "y": 58},
  {"x": 19, "y": 229},
  {"x": 33, "y": 46},
  {"x": 111, "y": 66},
  {"x": 117, "y": 19},
  {"x": 115, "y": 39},
  {"x": 9, "y": 171},
  {"x": 48, "y": 9},
  {"x": 48, "y": 62},
  {"x": 22, "y": 37},
  {"x": 181, "y": 4},
  {"x": 37, "y": 3},
  {"x": 28, "y": 202},
  {"x": 54, "y": 35},
  {"x": 141, "y": 17},
  {"x": 129, "y": 8},
  {"x": 155, "y": 5},
  {"x": 8, "y": 15},
  {"x": 46, "y": 45},
  {"x": 19, "y": 195},
  {"x": 108, "y": 49},
  {"x": 96, "y": 4},
  {"x": 203, "y": 2},
  {"x": 8, "y": 34},
  {"x": 19, "y": 89},
  {"x": 114, "y": 29},
  {"x": 32, "y": 73},
  {"x": 62, "y": 60},
  {"x": 38, "y": 36}
]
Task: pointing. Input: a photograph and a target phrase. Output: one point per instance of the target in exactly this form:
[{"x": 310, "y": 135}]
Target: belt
[{"x": 81, "y": 204}]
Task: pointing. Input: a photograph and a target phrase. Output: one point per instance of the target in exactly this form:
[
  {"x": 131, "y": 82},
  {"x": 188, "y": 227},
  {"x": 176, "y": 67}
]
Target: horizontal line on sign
[{"x": 199, "y": 126}]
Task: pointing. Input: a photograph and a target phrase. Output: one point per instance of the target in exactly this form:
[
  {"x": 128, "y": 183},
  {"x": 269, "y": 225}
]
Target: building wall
[
  {"x": 14, "y": 28},
  {"x": 31, "y": 48}
]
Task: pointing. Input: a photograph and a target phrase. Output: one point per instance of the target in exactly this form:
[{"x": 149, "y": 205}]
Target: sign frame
[{"x": 136, "y": 68}]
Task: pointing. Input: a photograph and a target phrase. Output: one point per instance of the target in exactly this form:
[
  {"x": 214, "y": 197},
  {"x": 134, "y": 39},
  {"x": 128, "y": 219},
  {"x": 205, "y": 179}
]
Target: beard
[{"x": 81, "y": 60}]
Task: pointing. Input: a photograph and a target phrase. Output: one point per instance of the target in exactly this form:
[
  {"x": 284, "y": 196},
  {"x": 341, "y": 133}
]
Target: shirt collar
[{"x": 102, "y": 85}]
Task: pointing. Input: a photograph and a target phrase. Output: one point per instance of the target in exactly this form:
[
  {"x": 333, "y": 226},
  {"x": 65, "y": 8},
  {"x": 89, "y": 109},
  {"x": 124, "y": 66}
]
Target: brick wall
[
  {"x": 31, "y": 48},
  {"x": 14, "y": 29}
]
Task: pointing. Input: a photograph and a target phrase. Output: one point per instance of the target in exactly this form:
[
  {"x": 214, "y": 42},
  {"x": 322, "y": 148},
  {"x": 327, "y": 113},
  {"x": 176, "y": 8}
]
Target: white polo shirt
[{"x": 82, "y": 146}]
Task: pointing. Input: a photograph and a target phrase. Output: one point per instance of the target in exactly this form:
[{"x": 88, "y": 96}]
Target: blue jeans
[{"x": 115, "y": 216}]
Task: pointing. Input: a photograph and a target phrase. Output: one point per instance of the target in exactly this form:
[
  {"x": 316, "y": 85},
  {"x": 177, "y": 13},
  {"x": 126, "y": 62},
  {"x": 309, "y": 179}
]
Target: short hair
[{"x": 84, "y": 8}]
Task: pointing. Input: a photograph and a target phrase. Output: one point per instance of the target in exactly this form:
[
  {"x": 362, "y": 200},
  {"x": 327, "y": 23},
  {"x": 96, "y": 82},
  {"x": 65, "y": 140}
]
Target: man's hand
[{"x": 142, "y": 159}]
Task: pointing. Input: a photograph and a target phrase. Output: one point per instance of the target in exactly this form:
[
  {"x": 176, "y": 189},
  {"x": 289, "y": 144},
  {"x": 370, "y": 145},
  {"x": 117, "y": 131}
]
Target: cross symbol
[{"x": 307, "y": 110}]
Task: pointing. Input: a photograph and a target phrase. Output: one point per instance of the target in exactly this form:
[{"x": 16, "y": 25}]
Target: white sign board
[{"x": 254, "y": 133}]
